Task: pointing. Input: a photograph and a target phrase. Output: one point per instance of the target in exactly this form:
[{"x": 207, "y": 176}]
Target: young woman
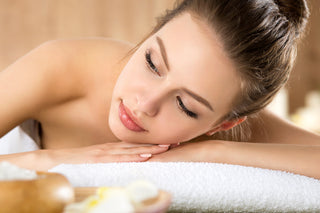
[{"x": 207, "y": 68}]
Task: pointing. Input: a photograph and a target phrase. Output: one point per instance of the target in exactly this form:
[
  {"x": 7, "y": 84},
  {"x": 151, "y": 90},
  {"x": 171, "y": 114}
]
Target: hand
[
  {"x": 204, "y": 151},
  {"x": 108, "y": 152},
  {"x": 101, "y": 153}
]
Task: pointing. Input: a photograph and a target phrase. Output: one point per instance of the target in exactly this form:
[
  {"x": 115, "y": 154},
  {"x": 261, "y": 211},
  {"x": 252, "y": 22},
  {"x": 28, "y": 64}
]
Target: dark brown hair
[{"x": 260, "y": 36}]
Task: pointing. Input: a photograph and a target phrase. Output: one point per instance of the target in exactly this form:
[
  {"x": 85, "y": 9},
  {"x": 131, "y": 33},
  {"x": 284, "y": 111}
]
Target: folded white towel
[
  {"x": 207, "y": 187},
  {"x": 22, "y": 138}
]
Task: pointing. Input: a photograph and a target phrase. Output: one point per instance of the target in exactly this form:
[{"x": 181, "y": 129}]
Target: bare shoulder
[
  {"x": 270, "y": 128},
  {"x": 85, "y": 56},
  {"x": 78, "y": 66},
  {"x": 55, "y": 72},
  {"x": 92, "y": 47}
]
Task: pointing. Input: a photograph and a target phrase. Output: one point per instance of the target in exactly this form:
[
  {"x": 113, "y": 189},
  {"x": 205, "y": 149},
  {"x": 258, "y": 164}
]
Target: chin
[
  {"x": 121, "y": 132},
  {"x": 115, "y": 129}
]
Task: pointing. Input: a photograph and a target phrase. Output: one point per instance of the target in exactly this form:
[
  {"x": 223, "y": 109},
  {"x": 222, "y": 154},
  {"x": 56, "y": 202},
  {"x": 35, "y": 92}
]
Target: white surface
[
  {"x": 17, "y": 141},
  {"x": 279, "y": 104},
  {"x": 201, "y": 187},
  {"x": 9, "y": 171}
]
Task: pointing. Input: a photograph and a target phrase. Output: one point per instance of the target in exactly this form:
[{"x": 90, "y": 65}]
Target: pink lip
[{"x": 128, "y": 120}]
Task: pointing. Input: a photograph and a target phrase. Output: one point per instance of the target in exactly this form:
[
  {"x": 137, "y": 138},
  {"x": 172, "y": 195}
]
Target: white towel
[
  {"x": 196, "y": 187},
  {"x": 207, "y": 187},
  {"x": 22, "y": 138}
]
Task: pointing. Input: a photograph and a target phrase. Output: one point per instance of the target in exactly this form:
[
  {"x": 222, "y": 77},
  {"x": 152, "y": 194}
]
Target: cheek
[
  {"x": 175, "y": 127},
  {"x": 177, "y": 133},
  {"x": 134, "y": 77}
]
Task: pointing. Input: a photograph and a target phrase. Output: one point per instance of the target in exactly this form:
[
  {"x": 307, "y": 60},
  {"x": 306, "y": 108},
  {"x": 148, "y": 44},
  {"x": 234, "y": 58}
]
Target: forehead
[{"x": 197, "y": 57}]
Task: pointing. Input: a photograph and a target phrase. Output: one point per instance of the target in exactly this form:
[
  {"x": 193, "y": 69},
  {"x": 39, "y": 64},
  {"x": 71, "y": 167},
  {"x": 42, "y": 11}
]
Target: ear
[{"x": 226, "y": 125}]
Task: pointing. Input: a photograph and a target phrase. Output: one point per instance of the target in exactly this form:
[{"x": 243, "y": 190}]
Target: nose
[{"x": 149, "y": 103}]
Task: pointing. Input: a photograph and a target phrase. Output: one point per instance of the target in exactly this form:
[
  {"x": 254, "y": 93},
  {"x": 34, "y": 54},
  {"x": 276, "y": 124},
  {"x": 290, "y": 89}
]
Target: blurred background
[{"x": 24, "y": 24}]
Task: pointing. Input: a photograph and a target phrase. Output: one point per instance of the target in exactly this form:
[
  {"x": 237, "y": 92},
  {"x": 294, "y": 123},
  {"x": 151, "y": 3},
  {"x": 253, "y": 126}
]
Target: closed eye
[
  {"x": 185, "y": 110},
  {"x": 150, "y": 64}
]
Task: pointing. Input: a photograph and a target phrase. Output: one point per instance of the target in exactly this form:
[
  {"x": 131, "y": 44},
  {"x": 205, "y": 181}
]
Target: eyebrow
[
  {"x": 198, "y": 98},
  {"x": 192, "y": 94},
  {"x": 163, "y": 51}
]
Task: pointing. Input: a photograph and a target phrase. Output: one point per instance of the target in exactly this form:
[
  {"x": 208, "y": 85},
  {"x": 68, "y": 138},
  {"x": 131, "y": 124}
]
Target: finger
[
  {"x": 156, "y": 149},
  {"x": 125, "y": 158},
  {"x": 111, "y": 147},
  {"x": 128, "y": 144},
  {"x": 118, "y": 150},
  {"x": 174, "y": 145}
]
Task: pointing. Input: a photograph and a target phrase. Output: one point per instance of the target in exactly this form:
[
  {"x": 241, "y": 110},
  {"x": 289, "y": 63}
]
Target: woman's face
[{"x": 175, "y": 87}]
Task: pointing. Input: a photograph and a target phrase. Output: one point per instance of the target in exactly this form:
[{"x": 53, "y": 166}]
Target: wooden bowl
[{"x": 49, "y": 193}]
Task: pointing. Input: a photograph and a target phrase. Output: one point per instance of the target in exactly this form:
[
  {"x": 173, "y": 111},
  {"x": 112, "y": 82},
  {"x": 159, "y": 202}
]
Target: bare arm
[
  {"x": 299, "y": 159},
  {"x": 25, "y": 86},
  {"x": 43, "y": 160},
  {"x": 277, "y": 144},
  {"x": 29, "y": 86}
]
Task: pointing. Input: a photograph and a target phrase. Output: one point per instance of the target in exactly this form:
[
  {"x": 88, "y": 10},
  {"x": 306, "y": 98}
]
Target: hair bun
[{"x": 296, "y": 11}]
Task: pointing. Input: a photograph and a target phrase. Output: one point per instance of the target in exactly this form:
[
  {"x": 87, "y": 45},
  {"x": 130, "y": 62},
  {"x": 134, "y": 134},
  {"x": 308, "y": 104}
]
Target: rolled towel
[{"x": 207, "y": 187}]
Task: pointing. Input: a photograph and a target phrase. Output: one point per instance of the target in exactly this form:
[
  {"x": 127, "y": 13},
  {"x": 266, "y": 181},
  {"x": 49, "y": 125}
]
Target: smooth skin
[{"x": 74, "y": 88}]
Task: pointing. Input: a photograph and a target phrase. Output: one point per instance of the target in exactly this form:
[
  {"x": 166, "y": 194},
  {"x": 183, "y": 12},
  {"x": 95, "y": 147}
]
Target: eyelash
[
  {"x": 150, "y": 64},
  {"x": 154, "y": 69},
  {"x": 185, "y": 110}
]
